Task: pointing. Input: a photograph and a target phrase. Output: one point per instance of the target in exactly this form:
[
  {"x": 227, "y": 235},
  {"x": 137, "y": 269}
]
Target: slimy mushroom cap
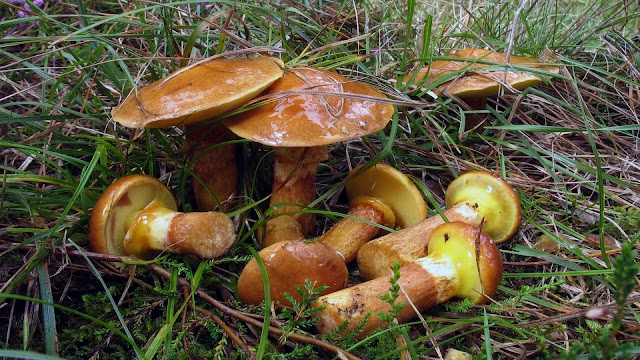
[
  {"x": 304, "y": 112},
  {"x": 198, "y": 92}
]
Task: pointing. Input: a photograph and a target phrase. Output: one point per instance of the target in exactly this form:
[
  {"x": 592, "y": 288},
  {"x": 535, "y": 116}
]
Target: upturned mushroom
[
  {"x": 137, "y": 215},
  {"x": 192, "y": 96},
  {"x": 473, "y": 197},
  {"x": 380, "y": 195},
  {"x": 311, "y": 108},
  {"x": 478, "y": 78},
  {"x": 463, "y": 262}
]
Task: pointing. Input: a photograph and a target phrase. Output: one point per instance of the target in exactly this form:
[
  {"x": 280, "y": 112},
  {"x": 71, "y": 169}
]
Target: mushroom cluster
[
  {"x": 440, "y": 258},
  {"x": 304, "y": 110},
  {"x": 380, "y": 195}
]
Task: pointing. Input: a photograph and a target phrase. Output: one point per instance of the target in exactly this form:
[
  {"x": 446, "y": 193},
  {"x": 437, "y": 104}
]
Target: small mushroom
[
  {"x": 463, "y": 262},
  {"x": 137, "y": 215},
  {"x": 479, "y": 81},
  {"x": 380, "y": 195},
  {"x": 193, "y": 95},
  {"x": 473, "y": 197},
  {"x": 311, "y": 108}
]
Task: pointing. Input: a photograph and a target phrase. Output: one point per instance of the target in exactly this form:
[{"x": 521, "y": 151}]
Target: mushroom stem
[
  {"x": 376, "y": 258},
  {"x": 156, "y": 229},
  {"x": 462, "y": 262},
  {"x": 472, "y": 197},
  {"x": 421, "y": 286},
  {"x": 348, "y": 235},
  {"x": 294, "y": 182},
  {"x": 475, "y": 120},
  {"x": 215, "y": 165}
]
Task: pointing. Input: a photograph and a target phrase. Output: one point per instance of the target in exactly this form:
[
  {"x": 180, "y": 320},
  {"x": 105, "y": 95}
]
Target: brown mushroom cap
[
  {"x": 119, "y": 204},
  {"x": 302, "y": 119},
  {"x": 197, "y": 93},
  {"x": 477, "y": 259},
  {"x": 493, "y": 198},
  {"x": 392, "y": 187},
  {"x": 480, "y": 82},
  {"x": 289, "y": 263}
]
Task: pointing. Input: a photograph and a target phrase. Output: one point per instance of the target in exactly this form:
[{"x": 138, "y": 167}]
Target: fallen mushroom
[
  {"x": 193, "y": 95},
  {"x": 290, "y": 263},
  {"x": 473, "y": 197},
  {"x": 137, "y": 215},
  {"x": 480, "y": 81},
  {"x": 380, "y": 195},
  {"x": 311, "y": 108},
  {"x": 463, "y": 262}
]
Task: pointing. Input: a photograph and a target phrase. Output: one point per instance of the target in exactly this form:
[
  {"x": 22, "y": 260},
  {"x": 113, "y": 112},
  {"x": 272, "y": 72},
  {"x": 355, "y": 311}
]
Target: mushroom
[
  {"x": 379, "y": 195},
  {"x": 137, "y": 215},
  {"x": 474, "y": 197},
  {"x": 478, "y": 82},
  {"x": 193, "y": 95},
  {"x": 311, "y": 108},
  {"x": 463, "y": 262},
  {"x": 289, "y": 263}
]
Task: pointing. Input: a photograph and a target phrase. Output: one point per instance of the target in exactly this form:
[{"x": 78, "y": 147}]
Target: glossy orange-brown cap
[
  {"x": 198, "y": 92},
  {"x": 296, "y": 117},
  {"x": 288, "y": 264},
  {"x": 481, "y": 80},
  {"x": 119, "y": 205}
]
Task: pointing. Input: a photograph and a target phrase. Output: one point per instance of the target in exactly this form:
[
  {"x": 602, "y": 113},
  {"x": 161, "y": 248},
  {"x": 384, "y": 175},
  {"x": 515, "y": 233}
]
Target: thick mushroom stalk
[
  {"x": 213, "y": 162},
  {"x": 137, "y": 215},
  {"x": 463, "y": 262},
  {"x": 380, "y": 195},
  {"x": 193, "y": 95},
  {"x": 310, "y": 109},
  {"x": 294, "y": 182},
  {"x": 472, "y": 197}
]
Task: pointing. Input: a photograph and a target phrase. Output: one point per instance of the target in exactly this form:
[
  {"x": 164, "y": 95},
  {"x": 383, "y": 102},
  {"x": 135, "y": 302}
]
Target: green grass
[{"x": 569, "y": 146}]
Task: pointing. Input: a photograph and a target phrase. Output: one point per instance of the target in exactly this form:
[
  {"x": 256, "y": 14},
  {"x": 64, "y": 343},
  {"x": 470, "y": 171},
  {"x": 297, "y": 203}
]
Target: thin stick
[
  {"x": 220, "y": 306},
  {"x": 232, "y": 334},
  {"x": 247, "y": 319}
]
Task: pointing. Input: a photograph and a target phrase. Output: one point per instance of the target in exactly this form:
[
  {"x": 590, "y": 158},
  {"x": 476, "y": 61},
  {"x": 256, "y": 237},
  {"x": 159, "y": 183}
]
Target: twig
[
  {"x": 220, "y": 306},
  {"x": 232, "y": 334},
  {"x": 247, "y": 319}
]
